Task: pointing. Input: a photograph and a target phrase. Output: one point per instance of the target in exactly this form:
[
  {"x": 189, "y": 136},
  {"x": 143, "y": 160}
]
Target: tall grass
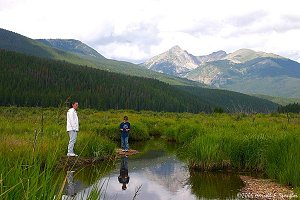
[
  {"x": 29, "y": 175},
  {"x": 269, "y": 144},
  {"x": 30, "y": 151},
  {"x": 138, "y": 132},
  {"x": 266, "y": 143}
]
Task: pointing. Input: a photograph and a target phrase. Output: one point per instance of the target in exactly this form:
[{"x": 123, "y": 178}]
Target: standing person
[
  {"x": 125, "y": 128},
  {"x": 72, "y": 127}
]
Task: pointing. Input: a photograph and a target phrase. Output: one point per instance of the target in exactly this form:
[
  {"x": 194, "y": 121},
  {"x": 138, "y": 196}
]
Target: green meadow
[{"x": 34, "y": 140}]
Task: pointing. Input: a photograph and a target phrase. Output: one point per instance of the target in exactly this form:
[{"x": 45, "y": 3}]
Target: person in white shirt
[{"x": 72, "y": 127}]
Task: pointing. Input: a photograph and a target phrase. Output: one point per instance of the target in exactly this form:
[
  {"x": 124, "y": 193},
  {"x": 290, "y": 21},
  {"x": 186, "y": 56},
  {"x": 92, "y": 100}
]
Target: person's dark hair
[
  {"x": 72, "y": 103},
  {"x": 125, "y": 118}
]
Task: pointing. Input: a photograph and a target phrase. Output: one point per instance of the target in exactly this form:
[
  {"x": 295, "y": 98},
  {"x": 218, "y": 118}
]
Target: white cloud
[{"x": 136, "y": 30}]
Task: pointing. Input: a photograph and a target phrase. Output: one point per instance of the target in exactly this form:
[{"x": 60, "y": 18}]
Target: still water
[{"x": 154, "y": 174}]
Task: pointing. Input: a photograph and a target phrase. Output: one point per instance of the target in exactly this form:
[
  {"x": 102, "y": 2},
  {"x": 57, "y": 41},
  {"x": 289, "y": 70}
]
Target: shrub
[
  {"x": 138, "y": 131},
  {"x": 92, "y": 145}
]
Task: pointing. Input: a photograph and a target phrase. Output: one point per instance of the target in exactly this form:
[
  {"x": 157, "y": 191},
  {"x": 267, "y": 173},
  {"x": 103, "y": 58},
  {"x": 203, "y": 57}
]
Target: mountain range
[
  {"x": 72, "y": 46},
  {"x": 76, "y": 52},
  {"x": 46, "y": 82},
  {"x": 244, "y": 70}
]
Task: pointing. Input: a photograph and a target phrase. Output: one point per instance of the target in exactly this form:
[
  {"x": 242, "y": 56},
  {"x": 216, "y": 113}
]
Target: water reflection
[
  {"x": 123, "y": 177},
  {"x": 80, "y": 183},
  {"x": 70, "y": 181},
  {"x": 70, "y": 186},
  {"x": 215, "y": 185},
  {"x": 161, "y": 176},
  {"x": 169, "y": 173}
]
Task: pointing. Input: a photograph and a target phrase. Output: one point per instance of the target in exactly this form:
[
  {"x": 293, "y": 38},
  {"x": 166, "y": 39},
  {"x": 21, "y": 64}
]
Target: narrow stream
[{"x": 154, "y": 174}]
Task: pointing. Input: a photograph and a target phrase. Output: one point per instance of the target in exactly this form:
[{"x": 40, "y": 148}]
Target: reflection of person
[
  {"x": 72, "y": 127},
  {"x": 123, "y": 177},
  {"x": 125, "y": 128},
  {"x": 70, "y": 187}
]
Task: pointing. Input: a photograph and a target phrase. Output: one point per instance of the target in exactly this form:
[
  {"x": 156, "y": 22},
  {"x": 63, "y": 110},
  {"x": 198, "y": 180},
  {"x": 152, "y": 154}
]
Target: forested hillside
[
  {"x": 32, "y": 81},
  {"x": 66, "y": 52},
  {"x": 231, "y": 101}
]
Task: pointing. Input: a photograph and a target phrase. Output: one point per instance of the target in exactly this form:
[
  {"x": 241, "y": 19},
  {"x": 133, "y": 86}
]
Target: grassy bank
[
  {"x": 33, "y": 140},
  {"x": 265, "y": 143}
]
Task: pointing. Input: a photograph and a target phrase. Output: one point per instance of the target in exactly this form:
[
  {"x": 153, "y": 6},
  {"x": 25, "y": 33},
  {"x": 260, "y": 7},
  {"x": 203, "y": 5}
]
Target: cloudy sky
[{"x": 135, "y": 30}]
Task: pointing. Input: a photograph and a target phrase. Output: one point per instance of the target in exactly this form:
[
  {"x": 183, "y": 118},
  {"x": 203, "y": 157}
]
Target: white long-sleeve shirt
[{"x": 72, "y": 120}]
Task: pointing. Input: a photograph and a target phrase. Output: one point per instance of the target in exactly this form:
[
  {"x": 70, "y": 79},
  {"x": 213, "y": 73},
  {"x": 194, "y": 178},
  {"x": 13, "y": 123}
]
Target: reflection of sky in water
[{"x": 161, "y": 178}]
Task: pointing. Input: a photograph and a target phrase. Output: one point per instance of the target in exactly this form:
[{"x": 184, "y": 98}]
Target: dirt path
[{"x": 264, "y": 189}]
